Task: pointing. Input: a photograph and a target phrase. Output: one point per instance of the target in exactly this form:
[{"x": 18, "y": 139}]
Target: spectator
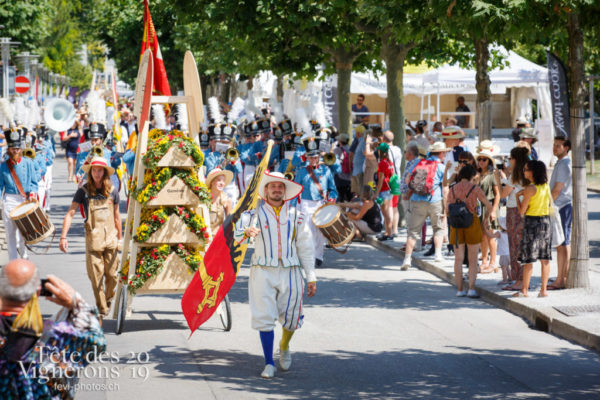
[
  {"x": 487, "y": 183},
  {"x": 343, "y": 179},
  {"x": 560, "y": 185},
  {"x": 29, "y": 346},
  {"x": 368, "y": 219},
  {"x": 521, "y": 123},
  {"x": 514, "y": 222},
  {"x": 357, "y": 160},
  {"x": 421, "y": 136},
  {"x": 385, "y": 170},
  {"x": 360, "y": 107},
  {"x": 71, "y": 140},
  {"x": 465, "y": 158},
  {"x": 537, "y": 233},
  {"x": 371, "y": 142},
  {"x": 462, "y": 120},
  {"x": 437, "y": 129},
  {"x": 396, "y": 157},
  {"x": 530, "y": 136},
  {"x": 450, "y": 121},
  {"x": 430, "y": 205},
  {"x": 469, "y": 193}
]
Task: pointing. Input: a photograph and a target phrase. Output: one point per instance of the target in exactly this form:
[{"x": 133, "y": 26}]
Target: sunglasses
[
  {"x": 463, "y": 161},
  {"x": 482, "y": 159}
]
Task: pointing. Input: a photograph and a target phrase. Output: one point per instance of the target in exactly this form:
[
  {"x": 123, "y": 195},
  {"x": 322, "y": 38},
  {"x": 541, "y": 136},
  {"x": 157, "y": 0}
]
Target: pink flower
[
  {"x": 187, "y": 215},
  {"x": 180, "y": 145}
]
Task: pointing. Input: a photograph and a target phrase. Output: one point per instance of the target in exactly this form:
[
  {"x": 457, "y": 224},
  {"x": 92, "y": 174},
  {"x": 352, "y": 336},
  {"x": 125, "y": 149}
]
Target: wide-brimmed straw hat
[
  {"x": 292, "y": 189},
  {"x": 438, "y": 147},
  {"x": 486, "y": 153},
  {"x": 452, "y": 132},
  {"x": 215, "y": 173},
  {"x": 489, "y": 145},
  {"x": 98, "y": 161}
]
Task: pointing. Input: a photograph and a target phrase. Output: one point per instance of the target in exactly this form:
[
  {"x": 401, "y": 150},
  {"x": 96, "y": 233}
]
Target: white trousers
[
  {"x": 309, "y": 207},
  {"x": 232, "y": 191},
  {"x": 248, "y": 173},
  {"x": 276, "y": 294},
  {"x": 48, "y": 178},
  {"x": 14, "y": 239},
  {"x": 42, "y": 191}
]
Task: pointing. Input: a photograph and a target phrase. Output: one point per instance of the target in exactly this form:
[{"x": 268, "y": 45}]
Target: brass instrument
[
  {"x": 29, "y": 152},
  {"x": 232, "y": 154},
  {"x": 289, "y": 176},
  {"x": 329, "y": 159},
  {"x": 97, "y": 151}
]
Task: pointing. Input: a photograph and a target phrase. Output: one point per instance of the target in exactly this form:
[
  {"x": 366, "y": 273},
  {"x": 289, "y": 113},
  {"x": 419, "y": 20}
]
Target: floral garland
[
  {"x": 162, "y": 141},
  {"x": 153, "y": 219},
  {"x": 150, "y": 262},
  {"x": 155, "y": 180}
]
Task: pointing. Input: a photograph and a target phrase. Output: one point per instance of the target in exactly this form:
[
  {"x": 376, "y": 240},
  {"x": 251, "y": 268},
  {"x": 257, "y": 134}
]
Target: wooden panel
[
  {"x": 175, "y": 157},
  {"x": 174, "y": 276},
  {"x": 175, "y": 193}
]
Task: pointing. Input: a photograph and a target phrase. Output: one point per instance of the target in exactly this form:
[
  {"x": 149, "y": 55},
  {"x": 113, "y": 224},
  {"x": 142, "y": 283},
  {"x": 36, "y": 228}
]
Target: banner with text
[{"x": 559, "y": 92}]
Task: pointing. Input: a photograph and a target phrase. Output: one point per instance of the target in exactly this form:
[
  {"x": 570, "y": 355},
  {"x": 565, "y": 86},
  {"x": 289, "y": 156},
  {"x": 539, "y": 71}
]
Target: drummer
[
  {"x": 18, "y": 182},
  {"x": 319, "y": 188},
  {"x": 100, "y": 201}
]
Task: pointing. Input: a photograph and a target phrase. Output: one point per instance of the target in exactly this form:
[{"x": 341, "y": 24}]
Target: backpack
[
  {"x": 459, "y": 217},
  {"x": 421, "y": 179},
  {"x": 346, "y": 162}
]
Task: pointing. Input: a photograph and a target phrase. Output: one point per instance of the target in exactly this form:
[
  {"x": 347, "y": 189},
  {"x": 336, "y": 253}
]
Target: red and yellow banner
[
  {"x": 222, "y": 260},
  {"x": 150, "y": 41}
]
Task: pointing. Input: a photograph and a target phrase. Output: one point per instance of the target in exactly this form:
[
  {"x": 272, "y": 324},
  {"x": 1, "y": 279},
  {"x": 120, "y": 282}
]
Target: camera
[{"x": 45, "y": 292}]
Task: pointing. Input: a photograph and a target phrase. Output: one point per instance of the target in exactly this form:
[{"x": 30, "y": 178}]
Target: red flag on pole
[
  {"x": 150, "y": 41},
  {"x": 222, "y": 260}
]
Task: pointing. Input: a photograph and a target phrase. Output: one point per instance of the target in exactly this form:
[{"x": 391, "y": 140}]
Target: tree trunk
[
  {"x": 225, "y": 88},
  {"x": 280, "y": 88},
  {"x": 344, "y": 76},
  {"x": 484, "y": 94},
  {"x": 580, "y": 253}
]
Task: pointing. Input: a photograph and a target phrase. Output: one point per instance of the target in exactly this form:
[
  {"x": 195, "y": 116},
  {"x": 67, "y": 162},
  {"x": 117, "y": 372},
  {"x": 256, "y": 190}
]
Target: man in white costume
[{"x": 283, "y": 247}]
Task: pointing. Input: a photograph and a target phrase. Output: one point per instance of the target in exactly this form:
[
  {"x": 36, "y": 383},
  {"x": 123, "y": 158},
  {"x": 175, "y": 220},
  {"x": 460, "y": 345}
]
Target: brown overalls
[{"x": 101, "y": 245}]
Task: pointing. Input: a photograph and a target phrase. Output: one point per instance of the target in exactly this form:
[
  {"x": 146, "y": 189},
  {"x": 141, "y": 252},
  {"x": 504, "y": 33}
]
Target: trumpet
[
  {"x": 29, "y": 153},
  {"x": 232, "y": 154},
  {"x": 289, "y": 176},
  {"x": 97, "y": 151},
  {"x": 329, "y": 158}
]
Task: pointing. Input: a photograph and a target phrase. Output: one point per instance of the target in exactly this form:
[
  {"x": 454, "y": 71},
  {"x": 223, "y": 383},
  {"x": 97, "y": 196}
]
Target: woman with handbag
[
  {"x": 537, "y": 229},
  {"x": 487, "y": 183},
  {"x": 461, "y": 208},
  {"x": 100, "y": 201}
]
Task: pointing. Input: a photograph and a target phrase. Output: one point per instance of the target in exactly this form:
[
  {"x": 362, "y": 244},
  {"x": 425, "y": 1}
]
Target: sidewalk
[{"x": 583, "y": 328}]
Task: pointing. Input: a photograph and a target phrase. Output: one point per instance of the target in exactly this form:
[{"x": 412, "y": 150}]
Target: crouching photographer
[{"x": 41, "y": 359}]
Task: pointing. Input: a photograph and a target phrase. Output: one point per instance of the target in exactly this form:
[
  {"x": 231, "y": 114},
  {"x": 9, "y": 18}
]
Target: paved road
[{"x": 371, "y": 332}]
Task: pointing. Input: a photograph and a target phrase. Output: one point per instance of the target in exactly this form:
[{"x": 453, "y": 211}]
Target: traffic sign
[{"x": 22, "y": 84}]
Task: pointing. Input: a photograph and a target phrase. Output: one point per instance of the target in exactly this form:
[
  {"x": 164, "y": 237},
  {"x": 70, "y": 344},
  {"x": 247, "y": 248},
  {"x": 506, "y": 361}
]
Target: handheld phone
[{"x": 44, "y": 291}]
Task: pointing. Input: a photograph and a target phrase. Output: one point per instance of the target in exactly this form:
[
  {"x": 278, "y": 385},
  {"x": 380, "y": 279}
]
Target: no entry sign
[{"x": 22, "y": 84}]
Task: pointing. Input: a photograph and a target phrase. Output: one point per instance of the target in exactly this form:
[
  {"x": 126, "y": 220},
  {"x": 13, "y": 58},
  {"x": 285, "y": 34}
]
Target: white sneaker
[
  {"x": 439, "y": 258},
  {"x": 404, "y": 267},
  {"x": 285, "y": 359},
  {"x": 268, "y": 372},
  {"x": 461, "y": 293}
]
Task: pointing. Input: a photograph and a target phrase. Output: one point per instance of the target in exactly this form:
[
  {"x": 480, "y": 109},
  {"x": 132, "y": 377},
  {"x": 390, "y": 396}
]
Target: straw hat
[
  {"x": 486, "y": 153},
  {"x": 292, "y": 189},
  {"x": 522, "y": 121},
  {"x": 98, "y": 161},
  {"x": 215, "y": 173},
  {"x": 489, "y": 145},
  {"x": 452, "y": 132},
  {"x": 529, "y": 133},
  {"x": 438, "y": 147}
]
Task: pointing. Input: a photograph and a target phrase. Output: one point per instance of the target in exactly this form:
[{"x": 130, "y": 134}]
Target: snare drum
[
  {"x": 334, "y": 225},
  {"x": 32, "y": 222}
]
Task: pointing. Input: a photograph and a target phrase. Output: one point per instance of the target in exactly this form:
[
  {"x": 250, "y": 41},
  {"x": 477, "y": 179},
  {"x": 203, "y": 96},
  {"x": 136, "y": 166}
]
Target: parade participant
[
  {"x": 70, "y": 140},
  {"x": 247, "y": 155},
  {"x": 97, "y": 134},
  {"x": 39, "y": 162},
  {"x": 530, "y": 136},
  {"x": 18, "y": 182},
  {"x": 221, "y": 136},
  {"x": 30, "y": 346},
  {"x": 44, "y": 146},
  {"x": 221, "y": 205},
  {"x": 100, "y": 200},
  {"x": 283, "y": 247},
  {"x": 289, "y": 166},
  {"x": 319, "y": 188}
]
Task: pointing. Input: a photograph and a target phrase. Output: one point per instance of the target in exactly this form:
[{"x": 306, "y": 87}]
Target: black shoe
[
  {"x": 383, "y": 238},
  {"x": 328, "y": 246},
  {"x": 430, "y": 252},
  {"x": 318, "y": 262}
]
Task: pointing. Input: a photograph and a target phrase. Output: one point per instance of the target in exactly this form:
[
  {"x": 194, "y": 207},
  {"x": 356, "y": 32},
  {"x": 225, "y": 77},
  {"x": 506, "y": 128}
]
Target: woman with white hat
[
  {"x": 100, "y": 201},
  {"x": 220, "y": 206},
  {"x": 487, "y": 183}
]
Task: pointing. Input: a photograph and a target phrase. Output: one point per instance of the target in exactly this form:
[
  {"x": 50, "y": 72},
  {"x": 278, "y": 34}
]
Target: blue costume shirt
[
  {"x": 311, "y": 192},
  {"x": 26, "y": 173}
]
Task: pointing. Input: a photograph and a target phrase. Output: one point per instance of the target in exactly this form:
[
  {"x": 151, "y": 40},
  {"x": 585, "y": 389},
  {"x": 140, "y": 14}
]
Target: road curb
[{"x": 548, "y": 319}]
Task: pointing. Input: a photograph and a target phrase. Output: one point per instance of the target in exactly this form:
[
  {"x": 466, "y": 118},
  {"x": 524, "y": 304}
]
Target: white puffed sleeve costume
[{"x": 282, "y": 249}]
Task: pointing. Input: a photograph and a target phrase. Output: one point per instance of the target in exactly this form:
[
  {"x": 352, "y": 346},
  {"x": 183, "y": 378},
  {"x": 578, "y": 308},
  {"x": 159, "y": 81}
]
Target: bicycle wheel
[{"x": 224, "y": 312}]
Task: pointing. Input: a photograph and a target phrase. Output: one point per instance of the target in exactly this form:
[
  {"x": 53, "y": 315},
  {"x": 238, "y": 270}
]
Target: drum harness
[
  {"x": 316, "y": 181},
  {"x": 11, "y": 168}
]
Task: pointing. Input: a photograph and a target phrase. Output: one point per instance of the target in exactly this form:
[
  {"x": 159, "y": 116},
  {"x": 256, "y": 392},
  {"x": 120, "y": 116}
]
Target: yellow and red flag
[
  {"x": 150, "y": 41},
  {"x": 222, "y": 260}
]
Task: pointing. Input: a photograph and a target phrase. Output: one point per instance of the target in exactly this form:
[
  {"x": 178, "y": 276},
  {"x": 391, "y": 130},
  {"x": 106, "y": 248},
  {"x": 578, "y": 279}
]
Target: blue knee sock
[{"x": 267, "y": 339}]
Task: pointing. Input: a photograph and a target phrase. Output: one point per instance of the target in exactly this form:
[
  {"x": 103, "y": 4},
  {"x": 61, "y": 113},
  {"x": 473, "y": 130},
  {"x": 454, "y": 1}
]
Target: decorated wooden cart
[{"x": 167, "y": 229}]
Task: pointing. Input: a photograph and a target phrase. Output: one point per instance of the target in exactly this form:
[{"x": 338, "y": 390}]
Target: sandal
[{"x": 552, "y": 287}]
